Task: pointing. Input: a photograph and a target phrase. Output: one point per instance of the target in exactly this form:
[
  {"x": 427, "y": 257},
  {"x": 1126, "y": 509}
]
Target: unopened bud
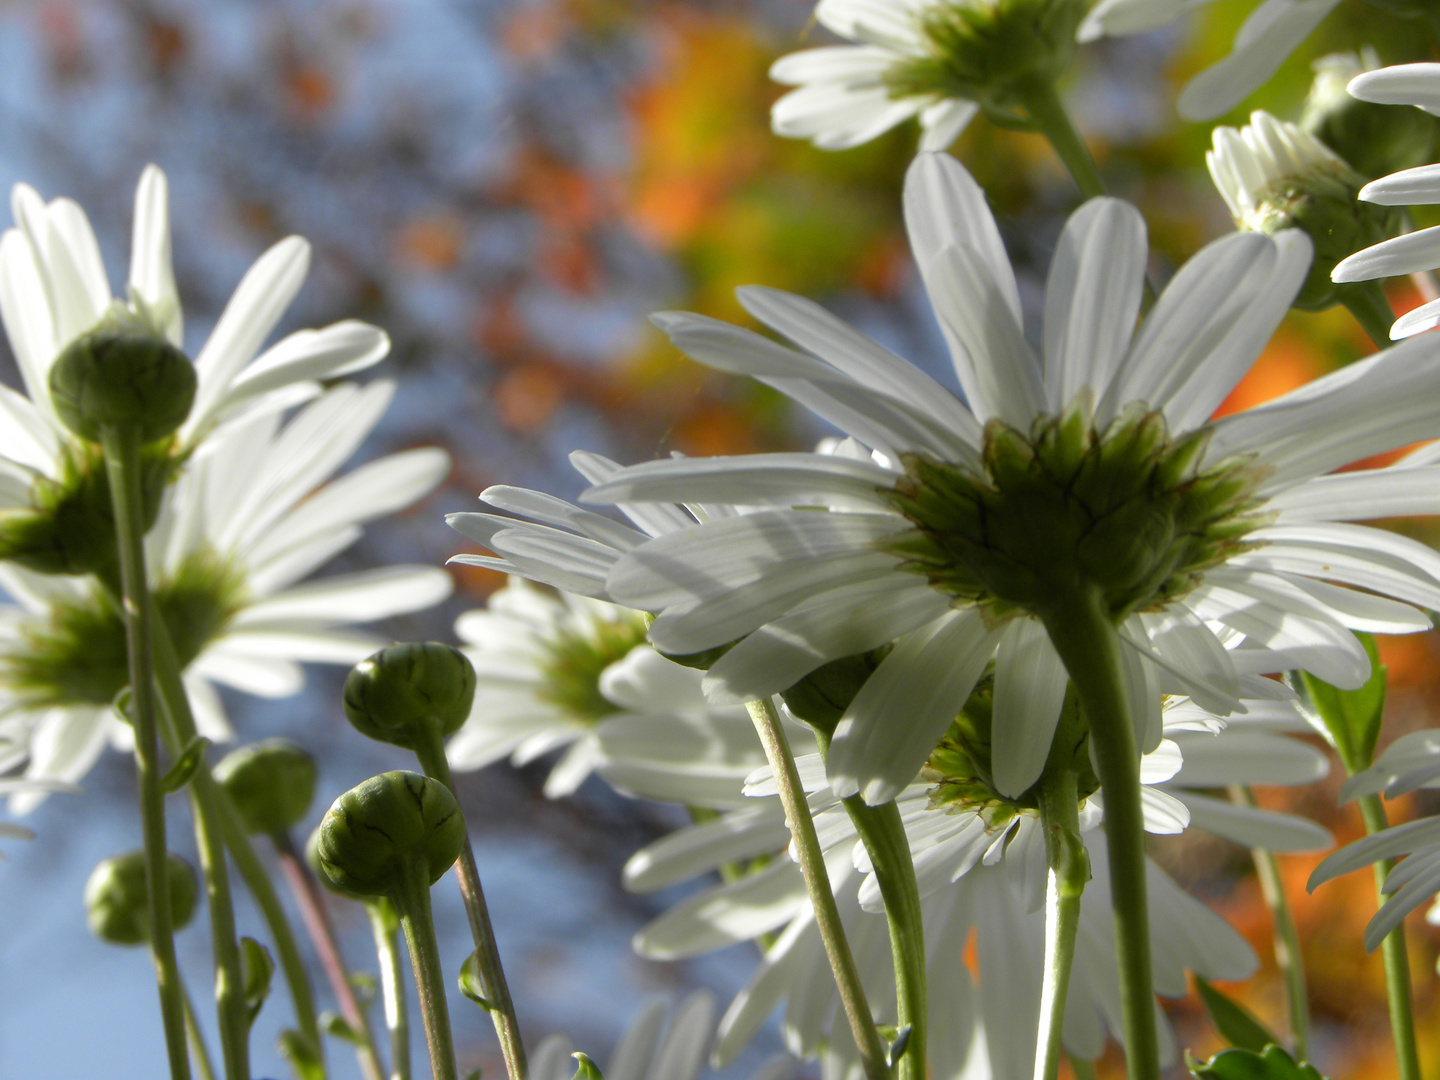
[
  {"x": 117, "y": 901},
  {"x": 1376, "y": 139},
  {"x": 271, "y": 783},
  {"x": 376, "y": 832},
  {"x": 391, "y": 695}
]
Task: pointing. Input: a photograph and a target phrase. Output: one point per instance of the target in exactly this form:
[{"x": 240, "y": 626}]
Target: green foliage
[
  {"x": 585, "y": 1069},
  {"x": 1272, "y": 1064},
  {"x": 1350, "y": 718},
  {"x": 256, "y": 970},
  {"x": 335, "y": 1024},
  {"x": 302, "y": 1055},
  {"x": 185, "y": 767},
  {"x": 471, "y": 984},
  {"x": 1236, "y": 1024}
]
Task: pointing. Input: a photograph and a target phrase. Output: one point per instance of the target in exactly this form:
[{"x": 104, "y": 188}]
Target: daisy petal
[{"x": 1030, "y": 683}]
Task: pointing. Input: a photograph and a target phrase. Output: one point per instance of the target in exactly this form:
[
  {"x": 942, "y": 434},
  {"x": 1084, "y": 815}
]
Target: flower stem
[
  {"x": 883, "y": 833},
  {"x": 215, "y": 813},
  {"x": 1089, "y": 646},
  {"x": 1287, "y": 936},
  {"x": 1047, "y": 112},
  {"x": 384, "y": 926},
  {"x": 198, "y": 1049},
  {"x": 411, "y": 896},
  {"x": 306, "y": 891},
  {"x": 1397, "y": 959},
  {"x": 430, "y": 751},
  {"x": 122, "y": 465},
  {"x": 817, "y": 883},
  {"x": 1069, "y": 870},
  {"x": 1082, "y": 1069},
  {"x": 1367, "y": 302}
]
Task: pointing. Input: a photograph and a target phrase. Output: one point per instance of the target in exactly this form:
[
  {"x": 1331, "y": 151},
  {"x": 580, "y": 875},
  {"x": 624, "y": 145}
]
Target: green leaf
[
  {"x": 1273, "y": 1064},
  {"x": 335, "y": 1024},
  {"x": 1235, "y": 1023},
  {"x": 256, "y": 967},
  {"x": 301, "y": 1054},
  {"x": 585, "y": 1068},
  {"x": 470, "y": 984},
  {"x": 1351, "y": 718},
  {"x": 185, "y": 765}
]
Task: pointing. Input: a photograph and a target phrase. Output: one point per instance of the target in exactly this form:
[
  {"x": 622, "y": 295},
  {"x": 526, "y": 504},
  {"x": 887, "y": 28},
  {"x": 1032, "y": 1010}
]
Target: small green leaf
[
  {"x": 1236, "y": 1024},
  {"x": 364, "y": 985},
  {"x": 1273, "y": 1064},
  {"x": 185, "y": 765},
  {"x": 301, "y": 1054},
  {"x": 585, "y": 1068},
  {"x": 473, "y": 1074},
  {"x": 1351, "y": 717},
  {"x": 470, "y": 984},
  {"x": 898, "y": 1045},
  {"x": 335, "y": 1024},
  {"x": 256, "y": 967}
]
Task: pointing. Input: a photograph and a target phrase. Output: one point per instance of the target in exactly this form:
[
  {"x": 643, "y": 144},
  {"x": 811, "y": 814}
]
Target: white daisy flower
[
  {"x": 1207, "y": 525},
  {"x": 649, "y": 1050},
  {"x": 1403, "y": 84},
  {"x": 1268, "y": 36},
  {"x": 935, "y": 59},
  {"x": 557, "y": 670},
  {"x": 980, "y": 863},
  {"x": 250, "y": 517}
]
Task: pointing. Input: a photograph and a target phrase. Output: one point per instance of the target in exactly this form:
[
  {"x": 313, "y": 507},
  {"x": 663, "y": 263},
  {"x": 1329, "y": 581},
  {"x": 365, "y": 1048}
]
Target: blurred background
[{"x": 509, "y": 187}]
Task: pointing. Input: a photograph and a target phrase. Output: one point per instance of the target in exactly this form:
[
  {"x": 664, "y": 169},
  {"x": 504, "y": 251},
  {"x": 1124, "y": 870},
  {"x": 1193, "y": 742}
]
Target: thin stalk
[
  {"x": 411, "y": 897},
  {"x": 122, "y": 467},
  {"x": 883, "y": 833},
  {"x": 1367, "y": 302},
  {"x": 198, "y": 1049},
  {"x": 306, "y": 891},
  {"x": 1397, "y": 959},
  {"x": 213, "y": 807},
  {"x": 817, "y": 884},
  {"x": 384, "y": 926},
  {"x": 1069, "y": 870},
  {"x": 430, "y": 751},
  {"x": 1047, "y": 113},
  {"x": 1089, "y": 646},
  {"x": 1288, "y": 956},
  {"x": 1082, "y": 1069}
]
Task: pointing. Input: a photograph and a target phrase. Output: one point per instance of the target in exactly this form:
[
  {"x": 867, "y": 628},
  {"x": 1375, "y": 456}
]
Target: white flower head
[
  {"x": 1403, "y": 84},
  {"x": 1098, "y": 463}
]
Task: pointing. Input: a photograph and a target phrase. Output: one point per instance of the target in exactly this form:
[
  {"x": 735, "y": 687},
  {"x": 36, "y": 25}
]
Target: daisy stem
[
  {"x": 817, "y": 884},
  {"x": 1366, "y": 300},
  {"x": 883, "y": 834},
  {"x": 1089, "y": 646},
  {"x": 1287, "y": 937},
  {"x": 122, "y": 465},
  {"x": 197, "y": 1039},
  {"x": 430, "y": 751},
  {"x": 306, "y": 891},
  {"x": 410, "y": 894},
  {"x": 1047, "y": 112},
  {"x": 1082, "y": 1069},
  {"x": 217, "y": 819},
  {"x": 1394, "y": 952},
  {"x": 1069, "y": 870},
  {"x": 384, "y": 925}
]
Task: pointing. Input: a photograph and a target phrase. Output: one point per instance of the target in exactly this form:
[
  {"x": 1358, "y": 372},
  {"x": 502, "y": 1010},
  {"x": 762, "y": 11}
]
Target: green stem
[
  {"x": 1082, "y": 1069},
  {"x": 1047, "y": 113},
  {"x": 213, "y": 807},
  {"x": 430, "y": 751},
  {"x": 817, "y": 884},
  {"x": 1397, "y": 959},
  {"x": 1288, "y": 956},
  {"x": 882, "y": 832},
  {"x": 122, "y": 465},
  {"x": 1089, "y": 646},
  {"x": 1069, "y": 870},
  {"x": 411, "y": 896},
  {"x": 384, "y": 926},
  {"x": 198, "y": 1048},
  {"x": 306, "y": 891},
  {"x": 1367, "y": 302}
]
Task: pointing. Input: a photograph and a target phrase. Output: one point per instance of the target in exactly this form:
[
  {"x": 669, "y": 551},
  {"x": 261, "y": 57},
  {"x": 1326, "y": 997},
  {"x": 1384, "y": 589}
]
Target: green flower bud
[
  {"x": 378, "y": 831},
  {"x": 1376, "y": 139},
  {"x": 271, "y": 783},
  {"x": 391, "y": 694},
  {"x": 121, "y": 374},
  {"x": 116, "y": 898},
  {"x": 1273, "y": 175}
]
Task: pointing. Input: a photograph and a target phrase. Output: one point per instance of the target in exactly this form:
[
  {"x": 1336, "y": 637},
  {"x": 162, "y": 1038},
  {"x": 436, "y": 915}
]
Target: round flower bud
[
  {"x": 390, "y": 694},
  {"x": 271, "y": 783},
  {"x": 1376, "y": 139},
  {"x": 120, "y": 374},
  {"x": 371, "y": 833},
  {"x": 116, "y": 898}
]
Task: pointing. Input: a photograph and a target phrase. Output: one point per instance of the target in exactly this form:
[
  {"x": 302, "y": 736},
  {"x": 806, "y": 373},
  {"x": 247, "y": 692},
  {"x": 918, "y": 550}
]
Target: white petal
[
  {"x": 1408, "y": 187},
  {"x": 725, "y": 915},
  {"x": 696, "y": 850},
  {"x": 1416, "y": 321},
  {"x": 359, "y": 597},
  {"x": 340, "y": 349},
  {"x": 1412, "y": 836},
  {"x": 1248, "y": 757},
  {"x": 1030, "y": 682},
  {"x": 1254, "y": 828},
  {"x": 752, "y": 480},
  {"x": 152, "y": 275},
  {"x": 1400, "y": 84}
]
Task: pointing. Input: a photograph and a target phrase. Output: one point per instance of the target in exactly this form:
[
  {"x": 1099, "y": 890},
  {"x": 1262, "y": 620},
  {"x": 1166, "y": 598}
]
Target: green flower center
[
  {"x": 77, "y": 656},
  {"x": 570, "y": 673},
  {"x": 1068, "y": 509}
]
